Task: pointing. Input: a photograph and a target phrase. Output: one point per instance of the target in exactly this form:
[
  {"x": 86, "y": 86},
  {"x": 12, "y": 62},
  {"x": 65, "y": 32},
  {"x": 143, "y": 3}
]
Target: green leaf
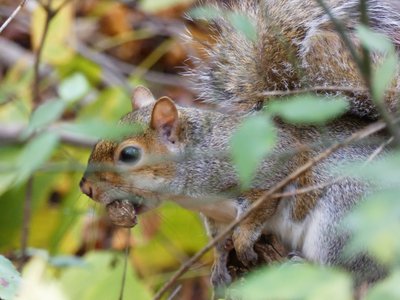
[
  {"x": 104, "y": 272},
  {"x": 375, "y": 226},
  {"x": 374, "y": 41},
  {"x": 153, "y": 251},
  {"x": 308, "y": 109},
  {"x": 34, "y": 154},
  {"x": 62, "y": 261},
  {"x": 384, "y": 172},
  {"x": 295, "y": 281},
  {"x": 243, "y": 24},
  {"x": 110, "y": 105},
  {"x": 152, "y": 6},
  {"x": 207, "y": 13},
  {"x": 96, "y": 129},
  {"x": 388, "y": 289},
  {"x": 10, "y": 279},
  {"x": 383, "y": 76},
  {"x": 45, "y": 114},
  {"x": 253, "y": 140},
  {"x": 74, "y": 87}
]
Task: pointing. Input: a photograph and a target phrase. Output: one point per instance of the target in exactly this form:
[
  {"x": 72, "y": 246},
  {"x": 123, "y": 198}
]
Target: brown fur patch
[
  {"x": 266, "y": 210},
  {"x": 304, "y": 203}
]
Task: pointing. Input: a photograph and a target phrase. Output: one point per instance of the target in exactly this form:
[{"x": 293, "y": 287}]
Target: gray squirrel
[{"x": 296, "y": 47}]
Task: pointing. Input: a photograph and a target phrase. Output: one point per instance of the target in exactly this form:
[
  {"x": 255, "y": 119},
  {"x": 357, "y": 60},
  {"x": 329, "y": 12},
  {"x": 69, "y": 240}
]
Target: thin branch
[
  {"x": 11, "y": 134},
  {"x": 316, "y": 89},
  {"x": 12, "y": 16},
  {"x": 117, "y": 69},
  {"x": 363, "y": 64},
  {"x": 366, "y": 58},
  {"x": 25, "y": 222},
  {"x": 328, "y": 183},
  {"x": 367, "y": 131},
  {"x": 128, "y": 238},
  {"x": 175, "y": 292},
  {"x": 341, "y": 30},
  {"x": 38, "y": 55}
]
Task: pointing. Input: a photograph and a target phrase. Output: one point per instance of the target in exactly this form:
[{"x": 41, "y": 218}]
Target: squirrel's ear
[
  {"x": 141, "y": 97},
  {"x": 165, "y": 119}
]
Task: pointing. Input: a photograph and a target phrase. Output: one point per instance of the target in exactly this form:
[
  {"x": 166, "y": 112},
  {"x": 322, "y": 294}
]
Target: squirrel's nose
[{"x": 86, "y": 187}]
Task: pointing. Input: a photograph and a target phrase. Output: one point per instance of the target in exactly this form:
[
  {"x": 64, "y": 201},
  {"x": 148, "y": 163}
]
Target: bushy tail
[{"x": 293, "y": 49}]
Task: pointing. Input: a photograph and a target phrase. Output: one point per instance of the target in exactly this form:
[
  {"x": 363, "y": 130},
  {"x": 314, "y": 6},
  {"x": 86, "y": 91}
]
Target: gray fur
[
  {"x": 206, "y": 170},
  {"x": 238, "y": 70}
]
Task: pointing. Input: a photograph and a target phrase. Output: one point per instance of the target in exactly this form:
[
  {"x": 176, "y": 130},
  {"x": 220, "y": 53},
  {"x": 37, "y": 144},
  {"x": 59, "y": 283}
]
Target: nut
[{"x": 122, "y": 213}]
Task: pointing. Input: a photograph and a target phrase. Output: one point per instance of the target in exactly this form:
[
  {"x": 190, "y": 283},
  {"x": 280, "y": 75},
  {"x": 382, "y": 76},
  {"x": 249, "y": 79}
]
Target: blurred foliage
[
  {"x": 83, "y": 252},
  {"x": 75, "y": 253}
]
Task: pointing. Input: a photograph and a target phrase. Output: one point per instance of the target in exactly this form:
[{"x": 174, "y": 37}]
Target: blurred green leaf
[
  {"x": 62, "y": 261},
  {"x": 253, "y": 140},
  {"x": 10, "y": 279},
  {"x": 383, "y": 172},
  {"x": 375, "y": 224},
  {"x": 8, "y": 159},
  {"x": 383, "y": 76},
  {"x": 104, "y": 273},
  {"x": 45, "y": 114},
  {"x": 205, "y": 13},
  {"x": 387, "y": 289},
  {"x": 374, "y": 41},
  {"x": 295, "y": 281},
  {"x": 34, "y": 154},
  {"x": 45, "y": 185},
  {"x": 96, "y": 129},
  {"x": 243, "y": 24},
  {"x": 308, "y": 109},
  {"x": 178, "y": 231},
  {"x": 90, "y": 70},
  {"x": 111, "y": 104},
  {"x": 152, "y": 6},
  {"x": 74, "y": 87}
]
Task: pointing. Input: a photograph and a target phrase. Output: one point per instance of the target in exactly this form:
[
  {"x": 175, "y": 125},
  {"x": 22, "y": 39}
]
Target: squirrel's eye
[{"x": 129, "y": 154}]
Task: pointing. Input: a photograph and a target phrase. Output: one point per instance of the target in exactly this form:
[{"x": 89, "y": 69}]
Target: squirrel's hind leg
[{"x": 250, "y": 229}]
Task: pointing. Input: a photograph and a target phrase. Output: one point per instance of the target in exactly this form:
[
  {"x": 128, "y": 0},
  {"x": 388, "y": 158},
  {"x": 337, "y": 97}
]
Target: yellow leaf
[{"x": 60, "y": 34}]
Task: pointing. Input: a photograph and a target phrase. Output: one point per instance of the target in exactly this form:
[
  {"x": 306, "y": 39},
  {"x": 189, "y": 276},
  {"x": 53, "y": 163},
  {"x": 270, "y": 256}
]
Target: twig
[
  {"x": 38, "y": 55},
  {"x": 128, "y": 237},
  {"x": 175, "y": 292},
  {"x": 328, "y": 183},
  {"x": 341, "y": 30},
  {"x": 110, "y": 70},
  {"x": 367, "y": 131},
  {"x": 378, "y": 150},
  {"x": 11, "y": 133},
  {"x": 364, "y": 65},
  {"x": 315, "y": 89},
  {"x": 36, "y": 99},
  {"x": 25, "y": 222},
  {"x": 12, "y": 16}
]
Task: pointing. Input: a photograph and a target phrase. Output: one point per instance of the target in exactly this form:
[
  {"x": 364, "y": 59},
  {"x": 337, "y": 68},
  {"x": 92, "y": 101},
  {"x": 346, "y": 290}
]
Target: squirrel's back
[{"x": 296, "y": 47}]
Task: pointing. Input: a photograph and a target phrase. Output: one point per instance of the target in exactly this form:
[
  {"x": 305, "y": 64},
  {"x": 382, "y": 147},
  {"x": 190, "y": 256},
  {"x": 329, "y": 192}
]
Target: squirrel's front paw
[
  {"x": 220, "y": 277},
  {"x": 244, "y": 240}
]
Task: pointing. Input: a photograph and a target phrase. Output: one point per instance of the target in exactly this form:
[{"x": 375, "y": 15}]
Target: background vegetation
[{"x": 66, "y": 70}]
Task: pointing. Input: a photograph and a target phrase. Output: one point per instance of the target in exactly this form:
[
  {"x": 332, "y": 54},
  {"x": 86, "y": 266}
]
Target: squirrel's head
[{"x": 140, "y": 168}]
